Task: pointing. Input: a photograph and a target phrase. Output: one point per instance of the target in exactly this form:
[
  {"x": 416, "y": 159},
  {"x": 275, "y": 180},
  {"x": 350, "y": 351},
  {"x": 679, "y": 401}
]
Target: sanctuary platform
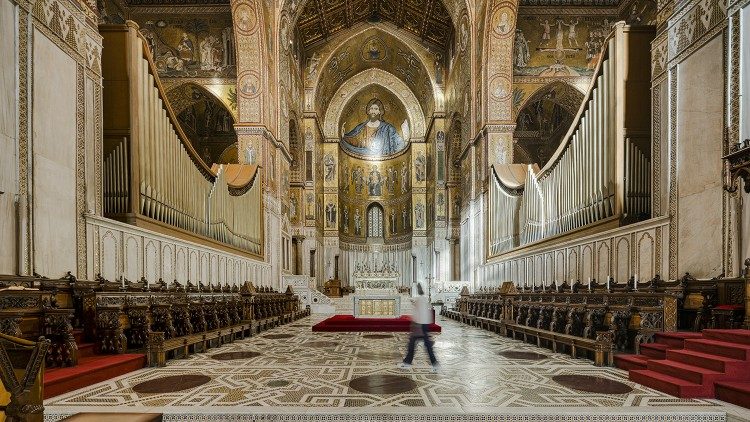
[
  {"x": 350, "y": 323},
  {"x": 290, "y": 373}
]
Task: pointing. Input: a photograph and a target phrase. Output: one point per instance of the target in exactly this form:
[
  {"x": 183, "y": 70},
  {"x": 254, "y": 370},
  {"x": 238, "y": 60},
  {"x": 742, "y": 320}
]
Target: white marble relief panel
[
  {"x": 132, "y": 268},
  {"x": 622, "y": 255},
  {"x": 645, "y": 257},
  {"x": 193, "y": 267},
  {"x": 109, "y": 266},
  {"x": 572, "y": 265},
  {"x": 603, "y": 259},
  {"x": 151, "y": 262},
  {"x": 559, "y": 267},
  {"x": 181, "y": 265},
  {"x": 587, "y": 263},
  {"x": 167, "y": 262}
]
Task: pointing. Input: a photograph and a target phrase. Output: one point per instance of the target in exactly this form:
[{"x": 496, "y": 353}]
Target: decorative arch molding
[
  {"x": 253, "y": 78},
  {"x": 499, "y": 29},
  {"x": 362, "y": 80},
  {"x": 405, "y": 39}
]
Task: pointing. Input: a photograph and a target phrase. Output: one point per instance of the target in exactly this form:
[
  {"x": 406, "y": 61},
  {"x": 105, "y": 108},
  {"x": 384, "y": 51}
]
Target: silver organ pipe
[
  {"x": 174, "y": 187},
  {"x": 598, "y": 172}
]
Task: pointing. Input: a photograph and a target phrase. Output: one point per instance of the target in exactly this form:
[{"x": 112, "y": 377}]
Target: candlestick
[
  {"x": 608, "y": 282},
  {"x": 635, "y": 283},
  {"x": 571, "y": 285},
  {"x": 589, "y": 283}
]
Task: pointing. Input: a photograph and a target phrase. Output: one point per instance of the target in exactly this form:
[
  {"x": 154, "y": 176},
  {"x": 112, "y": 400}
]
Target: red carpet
[
  {"x": 713, "y": 363},
  {"x": 90, "y": 370},
  {"x": 349, "y": 323}
]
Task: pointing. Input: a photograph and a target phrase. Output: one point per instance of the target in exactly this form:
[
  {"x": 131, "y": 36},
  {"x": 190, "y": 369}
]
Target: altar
[{"x": 375, "y": 291}]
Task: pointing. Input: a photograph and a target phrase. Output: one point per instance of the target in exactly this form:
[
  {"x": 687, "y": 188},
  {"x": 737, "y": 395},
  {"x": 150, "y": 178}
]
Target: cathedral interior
[{"x": 239, "y": 210}]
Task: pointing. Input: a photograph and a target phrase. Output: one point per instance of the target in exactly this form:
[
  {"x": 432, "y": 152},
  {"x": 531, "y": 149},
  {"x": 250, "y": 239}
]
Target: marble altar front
[{"x": 375, "y": 292}]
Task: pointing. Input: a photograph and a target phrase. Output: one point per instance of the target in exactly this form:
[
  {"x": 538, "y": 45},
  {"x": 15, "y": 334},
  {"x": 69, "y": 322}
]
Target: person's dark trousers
[{"x": 421, "y": 333}]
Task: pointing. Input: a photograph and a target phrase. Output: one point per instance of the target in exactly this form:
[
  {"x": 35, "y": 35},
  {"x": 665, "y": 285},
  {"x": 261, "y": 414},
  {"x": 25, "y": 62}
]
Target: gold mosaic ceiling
[{"x": 427, "y": 19}]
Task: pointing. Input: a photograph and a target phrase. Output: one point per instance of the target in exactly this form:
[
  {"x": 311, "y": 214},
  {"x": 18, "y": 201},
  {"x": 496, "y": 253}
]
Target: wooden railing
[
  {"x": 153, "y": 177},
  {"x": 600, "y": 170}
]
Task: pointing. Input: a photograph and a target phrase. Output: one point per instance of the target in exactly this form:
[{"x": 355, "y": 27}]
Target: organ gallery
[{"x": 247, "y": 209}]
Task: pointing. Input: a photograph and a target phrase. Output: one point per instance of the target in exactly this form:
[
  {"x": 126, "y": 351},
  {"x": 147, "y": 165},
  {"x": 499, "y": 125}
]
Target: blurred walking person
[{"x": 420, "y": 330}]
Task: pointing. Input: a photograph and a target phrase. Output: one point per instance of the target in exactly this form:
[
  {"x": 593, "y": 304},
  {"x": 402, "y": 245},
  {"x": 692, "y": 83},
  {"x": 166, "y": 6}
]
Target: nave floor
[{"x": 290, "y": 373}]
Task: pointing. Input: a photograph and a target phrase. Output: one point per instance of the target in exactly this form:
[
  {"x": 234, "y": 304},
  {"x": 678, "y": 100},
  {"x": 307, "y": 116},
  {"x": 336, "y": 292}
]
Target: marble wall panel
[
  {"x": 8, "y": 139},
  {"x": 644, "y": 266},
  {"x": 620, "y": 253},
  {"x": 8, "y": 88},
  {"x": 587, "y": 262},
  {"x": 603, "y": 269},
  {"x": 132, "y": 262},
  {"x": 132, "y": 252},
  {"x": 622, "y": 256},
  {"x": 54, "y": 158},
  {"x": 699, "y": 151}
]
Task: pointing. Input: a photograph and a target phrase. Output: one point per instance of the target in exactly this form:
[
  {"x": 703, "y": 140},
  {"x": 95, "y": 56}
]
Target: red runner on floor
[{"x": 340, "y": 323}]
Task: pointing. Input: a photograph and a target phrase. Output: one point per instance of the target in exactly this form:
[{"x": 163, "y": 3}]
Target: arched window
[{"x": 375, "y": 223}]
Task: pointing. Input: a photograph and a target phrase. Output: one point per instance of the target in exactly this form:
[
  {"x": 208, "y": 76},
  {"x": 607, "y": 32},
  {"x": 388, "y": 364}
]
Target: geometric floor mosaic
[{"x": 291, "y": 373}]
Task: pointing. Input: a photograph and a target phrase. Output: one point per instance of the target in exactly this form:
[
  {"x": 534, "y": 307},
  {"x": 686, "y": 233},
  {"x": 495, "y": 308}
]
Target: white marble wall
[
  {"x": 8, "y": 137},
  {"x": 54, "y": 158},
  {"x": 620, "y": 253},
  {"x": 745, "y": 73},
  {"x": 700, "y": 105},
  {"x": 119, "y": 249}
]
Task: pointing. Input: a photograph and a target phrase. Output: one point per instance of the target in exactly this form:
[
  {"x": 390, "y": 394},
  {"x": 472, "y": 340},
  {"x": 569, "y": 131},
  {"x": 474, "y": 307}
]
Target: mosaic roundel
[
  {"x": 171, "y": 384},
  {"x": 245, "y": 18},
  {"x": 278, "y": 336},
  {"x": 321, "y": 344},
  {"x": 383, "y": 384},
  {"x": 248, "y": 84},
  {"x": 523, "y": 355},
  {"x": 502, "y": 21},
  {"x": 592, "y": 384},
  {"x": 235, "y": 355},
  {"x": 500, "y": 87}
]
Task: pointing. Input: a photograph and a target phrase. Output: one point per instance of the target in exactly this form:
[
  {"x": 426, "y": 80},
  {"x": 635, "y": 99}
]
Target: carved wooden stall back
[
  {"x": 598, "y": 317},
  {"x": 21, "y": 369},
  {"x": 719, "y": 302}
]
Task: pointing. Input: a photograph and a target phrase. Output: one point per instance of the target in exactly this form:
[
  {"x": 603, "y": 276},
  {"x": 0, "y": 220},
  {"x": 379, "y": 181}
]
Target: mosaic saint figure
[
  {"x": 375, "y": 182},
  {"x": 521, "y": 53},
  {"x": 420, "y": 167},
  {"x": 357, "y": 222},
  {"x": 374, "y": 137},
  {"x": 185, "y": 48}
]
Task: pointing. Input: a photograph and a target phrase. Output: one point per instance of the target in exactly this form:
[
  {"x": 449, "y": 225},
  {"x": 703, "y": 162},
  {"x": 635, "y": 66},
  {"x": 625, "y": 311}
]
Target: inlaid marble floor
[{"x": 291, "y": 369}]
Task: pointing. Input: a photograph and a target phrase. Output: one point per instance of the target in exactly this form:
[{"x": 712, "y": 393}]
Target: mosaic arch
[
  {"x": 542, "y": 122},
  {"x": 400, "y": 55},
  {"x": 361, "y": 81},
  {"x": 205, "y": 119}
]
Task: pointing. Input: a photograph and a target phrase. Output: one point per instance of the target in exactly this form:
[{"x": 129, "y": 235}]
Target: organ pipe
[
  {"x": 598, "y": 172},
  {"x": 156, "y": 165}
]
